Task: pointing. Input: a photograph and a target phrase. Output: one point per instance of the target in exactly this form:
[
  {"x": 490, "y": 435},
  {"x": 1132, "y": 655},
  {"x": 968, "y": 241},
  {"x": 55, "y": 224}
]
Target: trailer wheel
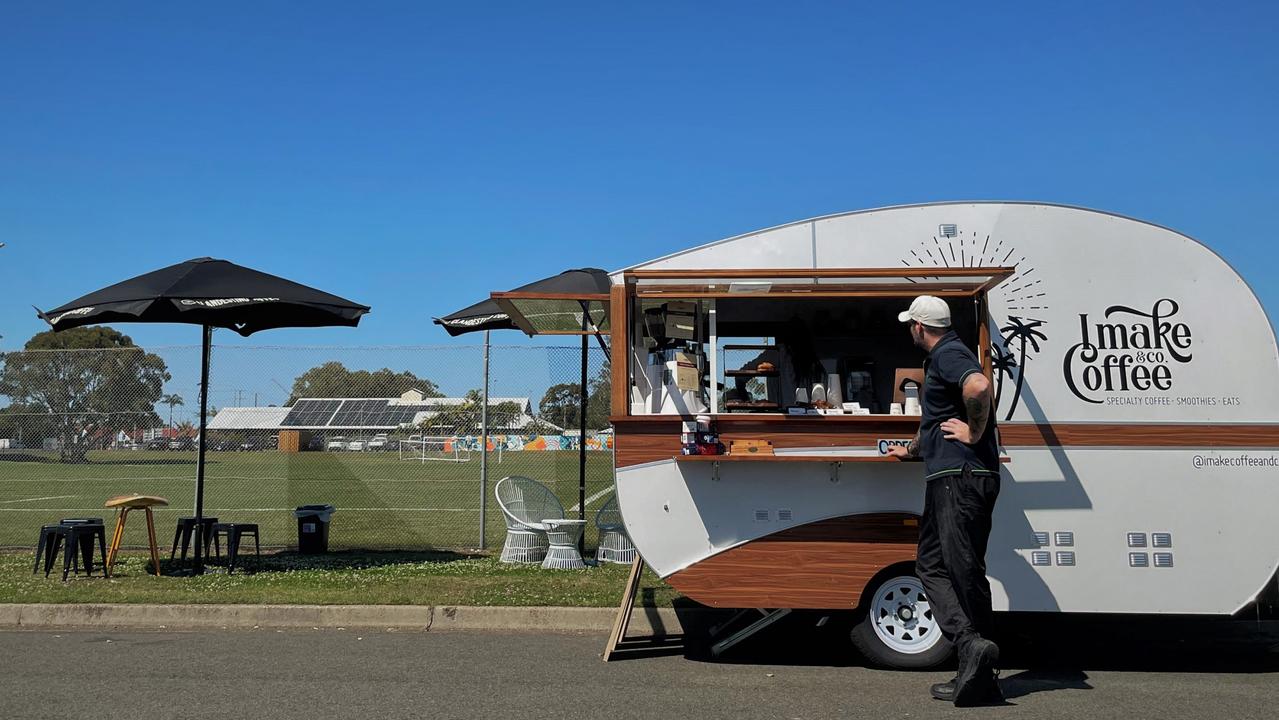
[{"x": 898, "y": 629}]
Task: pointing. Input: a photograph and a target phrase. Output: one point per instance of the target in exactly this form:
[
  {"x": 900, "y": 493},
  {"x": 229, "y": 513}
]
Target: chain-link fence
[{"x": 391, "y": 436}]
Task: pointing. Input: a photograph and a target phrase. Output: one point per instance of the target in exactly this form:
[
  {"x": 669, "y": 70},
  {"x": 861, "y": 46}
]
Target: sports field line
[
  {"x": 594, "y": 497},
  {"x": 50, "y": 497}
]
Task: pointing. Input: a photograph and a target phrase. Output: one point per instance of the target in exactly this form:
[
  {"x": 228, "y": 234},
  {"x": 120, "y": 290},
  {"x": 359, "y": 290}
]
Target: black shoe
[
  {"x": 976, "y": 684},
  {"x": 943, "y": 691}
]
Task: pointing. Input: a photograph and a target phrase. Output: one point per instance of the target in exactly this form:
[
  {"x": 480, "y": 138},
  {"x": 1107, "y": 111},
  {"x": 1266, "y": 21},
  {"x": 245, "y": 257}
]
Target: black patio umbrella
[
  {"x": 490, "y": 315},
  {"x": 574, "y": 302},
  {"x": 210, "y": 293},
  {"x": 483, "y": 315}
]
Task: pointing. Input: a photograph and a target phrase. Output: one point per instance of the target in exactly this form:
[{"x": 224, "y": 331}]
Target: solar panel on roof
[{"x": 310, "y": 413}]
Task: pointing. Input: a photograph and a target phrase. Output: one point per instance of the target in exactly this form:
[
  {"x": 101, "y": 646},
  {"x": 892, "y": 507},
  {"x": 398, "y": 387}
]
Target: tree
[
  {"x": 561, "y": 404},
  {"x": 465, "y": 416},
  {"x": 171, "y": 400},
  {"x": 88, "y": 383},
  {"x": 334, "y": 380}
]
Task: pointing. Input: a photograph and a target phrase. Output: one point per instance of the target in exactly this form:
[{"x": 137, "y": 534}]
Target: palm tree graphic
[
  {"x": 1025, "y": 334},
  {"x": 1005, "y": 364}
]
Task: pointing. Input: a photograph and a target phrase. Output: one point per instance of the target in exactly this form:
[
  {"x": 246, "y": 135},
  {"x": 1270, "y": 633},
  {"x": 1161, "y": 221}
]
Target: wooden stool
[{"x": 123, "y": 504}]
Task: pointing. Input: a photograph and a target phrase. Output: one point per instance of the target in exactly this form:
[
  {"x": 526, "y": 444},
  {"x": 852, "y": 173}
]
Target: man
[{"x": 957, "y": 442}]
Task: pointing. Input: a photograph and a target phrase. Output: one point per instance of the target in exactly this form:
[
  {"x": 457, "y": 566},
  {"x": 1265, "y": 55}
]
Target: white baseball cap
[{"x": 927, "y": 310}]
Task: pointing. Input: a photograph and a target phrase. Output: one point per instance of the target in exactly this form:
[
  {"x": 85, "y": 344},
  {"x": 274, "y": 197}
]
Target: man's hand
[
  {"x": 899, "y": 451},
  {"x": 956, "y": 429}
]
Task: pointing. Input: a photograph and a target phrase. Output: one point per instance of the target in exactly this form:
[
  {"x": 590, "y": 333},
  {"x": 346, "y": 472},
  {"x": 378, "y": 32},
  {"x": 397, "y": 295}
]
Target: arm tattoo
[
  {"x": 912, "y": 447},
  {"x": 978, "y": 414}
]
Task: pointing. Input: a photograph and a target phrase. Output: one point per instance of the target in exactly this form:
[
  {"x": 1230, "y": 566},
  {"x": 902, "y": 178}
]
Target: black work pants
[{"x": 951, "y": 559}]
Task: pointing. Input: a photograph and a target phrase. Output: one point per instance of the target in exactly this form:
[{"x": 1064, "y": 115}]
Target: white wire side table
[{"x": 562, "y": 535}]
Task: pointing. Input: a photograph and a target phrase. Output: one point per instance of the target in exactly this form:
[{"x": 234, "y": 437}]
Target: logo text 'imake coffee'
[{"x": 1132, "y": 352}]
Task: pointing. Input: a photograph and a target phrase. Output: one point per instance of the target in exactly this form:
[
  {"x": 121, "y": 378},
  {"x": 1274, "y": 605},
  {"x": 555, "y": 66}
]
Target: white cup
[
  {"x": 895, "y": 409},
  {"x": 819, "y": 393}
]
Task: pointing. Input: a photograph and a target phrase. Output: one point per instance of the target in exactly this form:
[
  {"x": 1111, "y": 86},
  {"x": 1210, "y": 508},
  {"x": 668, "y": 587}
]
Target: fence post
[{"x": 484, "y": 443}]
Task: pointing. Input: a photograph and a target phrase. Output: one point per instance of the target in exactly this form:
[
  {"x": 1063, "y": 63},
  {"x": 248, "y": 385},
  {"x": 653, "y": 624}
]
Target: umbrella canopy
[
  {"x": 565, "y": 287},
  {"x": 483, "y": 315},
  {"x": 210, "y": 292},
  {"x": 575, "y": 302}
]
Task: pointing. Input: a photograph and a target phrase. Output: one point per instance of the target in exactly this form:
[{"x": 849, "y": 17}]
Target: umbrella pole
[
  {"x": 199, "y": 461},
  {"x": 581, "y": 449},
  {"x": 484, "y": 443}
]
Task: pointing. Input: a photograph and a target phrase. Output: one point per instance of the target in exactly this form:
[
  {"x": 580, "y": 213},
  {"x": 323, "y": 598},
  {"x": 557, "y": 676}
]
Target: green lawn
[
  {"x": 359, "y": 578},
  {"x": 382, "y": 501}
]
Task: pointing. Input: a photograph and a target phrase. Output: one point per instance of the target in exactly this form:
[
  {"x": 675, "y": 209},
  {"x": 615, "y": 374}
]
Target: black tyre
[{"x": 897, "y": 629}]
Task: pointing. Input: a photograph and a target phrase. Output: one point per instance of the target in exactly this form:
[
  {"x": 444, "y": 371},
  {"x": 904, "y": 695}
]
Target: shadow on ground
[
  {"x": 1056, "y": 651},
  {"x": 289, "y": 561},
  {"x": 53, "y": 459}
]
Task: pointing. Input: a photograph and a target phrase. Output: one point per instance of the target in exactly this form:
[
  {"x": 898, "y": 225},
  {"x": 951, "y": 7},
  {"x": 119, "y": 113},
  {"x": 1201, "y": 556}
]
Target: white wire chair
[
  {"x": 615, "y": 544},
  {"x": 525, "y": 503}
]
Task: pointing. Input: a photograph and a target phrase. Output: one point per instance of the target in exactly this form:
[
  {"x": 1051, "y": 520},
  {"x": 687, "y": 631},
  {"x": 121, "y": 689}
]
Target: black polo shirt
[{"x": 948, "y": 365}]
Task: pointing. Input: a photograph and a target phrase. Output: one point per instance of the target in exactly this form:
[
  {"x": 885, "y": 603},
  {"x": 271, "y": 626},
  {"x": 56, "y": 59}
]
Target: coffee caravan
[{"x": 1137, "y": 384}]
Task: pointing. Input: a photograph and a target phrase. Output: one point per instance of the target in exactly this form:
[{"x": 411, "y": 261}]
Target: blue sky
[{"x": 415, "y": 156}]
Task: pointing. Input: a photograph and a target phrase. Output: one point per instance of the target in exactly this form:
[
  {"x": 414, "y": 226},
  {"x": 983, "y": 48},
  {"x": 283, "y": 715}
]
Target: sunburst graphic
[{"x": 1016, "y": 340}]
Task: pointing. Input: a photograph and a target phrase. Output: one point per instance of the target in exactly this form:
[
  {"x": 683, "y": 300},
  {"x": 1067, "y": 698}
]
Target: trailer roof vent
[
  {"x": 1163, "y": 560},
  {"x": 1136, "y": 539},
  {"x": 948, "y": 230},
  {"x": 1161, "y": 540},
  {"x": 1066, "y": 558},
  {"x": 1138, "y": 560},
  {"x": 784, "y": 515},
  {"x": 1041, "y": 539},
  {"x": 1064, "y": 539},
  {"x": 1041, "y": 557},
  {"x": 761, "y": 516}
]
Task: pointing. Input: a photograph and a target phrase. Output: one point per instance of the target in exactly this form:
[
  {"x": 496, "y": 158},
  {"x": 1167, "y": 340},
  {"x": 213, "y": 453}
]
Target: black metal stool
[
  {"x": 184, "y": 530},
  {"x": 74, "y": 538},
  {"x": 234, "y": 532},
  {"x": 51, "y": 536},
  {"x": 89, "y": 529}
]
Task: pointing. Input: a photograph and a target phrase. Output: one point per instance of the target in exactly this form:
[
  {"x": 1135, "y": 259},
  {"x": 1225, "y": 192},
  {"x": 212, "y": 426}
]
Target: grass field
[
  {"x": 382, "y": 501},
  {"x": 341, "y": 578}
]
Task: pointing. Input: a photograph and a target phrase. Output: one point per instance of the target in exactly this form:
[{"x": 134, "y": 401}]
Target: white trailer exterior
[{"x": 1138, "y": 414}]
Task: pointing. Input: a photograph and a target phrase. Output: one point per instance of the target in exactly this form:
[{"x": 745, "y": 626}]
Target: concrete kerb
[{"x": 419, "y": 618}]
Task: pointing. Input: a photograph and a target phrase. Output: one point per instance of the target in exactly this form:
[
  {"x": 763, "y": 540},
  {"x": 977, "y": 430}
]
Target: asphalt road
[{"x": 796, "y": 673}]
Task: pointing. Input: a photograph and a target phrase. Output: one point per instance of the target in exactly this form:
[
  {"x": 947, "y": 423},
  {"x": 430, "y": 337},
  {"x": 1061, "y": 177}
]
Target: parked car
[
  {"x": 355, "y": 446},
  {"x": 336, "y": 443},
  {"x": 379, "y": 442}
]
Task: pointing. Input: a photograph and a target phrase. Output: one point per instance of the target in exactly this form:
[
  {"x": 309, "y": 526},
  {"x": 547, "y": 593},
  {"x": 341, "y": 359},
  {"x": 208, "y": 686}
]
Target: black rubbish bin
[{"x": 313, "y": 528}]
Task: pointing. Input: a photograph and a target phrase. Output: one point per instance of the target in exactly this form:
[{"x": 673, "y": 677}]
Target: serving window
[{"x": 816, "y": 342}]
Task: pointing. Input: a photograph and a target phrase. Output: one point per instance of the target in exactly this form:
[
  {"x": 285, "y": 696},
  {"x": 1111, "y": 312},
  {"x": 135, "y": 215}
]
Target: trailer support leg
[
  {"x": 770, "y": 617},
  {"x": 623, "y": 618}
]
